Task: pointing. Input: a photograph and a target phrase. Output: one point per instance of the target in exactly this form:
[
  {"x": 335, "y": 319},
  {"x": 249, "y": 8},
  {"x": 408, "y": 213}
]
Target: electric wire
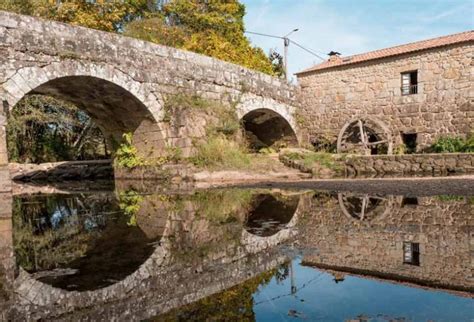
[{"x": 292, "y": 41}]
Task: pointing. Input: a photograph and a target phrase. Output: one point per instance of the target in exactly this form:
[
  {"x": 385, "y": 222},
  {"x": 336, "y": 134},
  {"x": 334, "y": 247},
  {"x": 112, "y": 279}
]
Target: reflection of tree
[
  {"x": 77, "y": 242},
  {"x": 234, "y": 304},
  {"x": 52, "y": 231}
]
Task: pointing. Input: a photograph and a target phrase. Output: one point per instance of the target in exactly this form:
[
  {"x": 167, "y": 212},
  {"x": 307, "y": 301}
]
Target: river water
[{"x": 264, "y": 254}]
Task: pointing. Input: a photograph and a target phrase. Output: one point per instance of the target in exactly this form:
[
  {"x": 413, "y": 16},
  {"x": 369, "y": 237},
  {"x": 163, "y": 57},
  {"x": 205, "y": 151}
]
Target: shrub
[
  {"x": 451, "y": 144},
  {"x": 126, "y": 155}
]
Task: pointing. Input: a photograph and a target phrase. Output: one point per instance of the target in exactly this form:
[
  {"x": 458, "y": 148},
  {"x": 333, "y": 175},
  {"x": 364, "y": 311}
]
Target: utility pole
[{"x": 286, "y": 44}]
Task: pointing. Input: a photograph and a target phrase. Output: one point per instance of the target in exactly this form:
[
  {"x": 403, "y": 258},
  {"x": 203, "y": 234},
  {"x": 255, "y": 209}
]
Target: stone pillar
[
  {"x": 3, "y": 140},
  {"x": 5, "y": 182},
  {"x": 7, "y": 260}
]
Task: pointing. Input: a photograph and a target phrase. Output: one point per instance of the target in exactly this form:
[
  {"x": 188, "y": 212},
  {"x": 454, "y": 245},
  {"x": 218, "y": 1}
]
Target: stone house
[{"x": 402, "y": 97}]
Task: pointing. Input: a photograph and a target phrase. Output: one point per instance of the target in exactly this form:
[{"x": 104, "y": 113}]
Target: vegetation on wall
[
  {"x": 126, "y": 156},
  {"x": 44, "y": 129}
]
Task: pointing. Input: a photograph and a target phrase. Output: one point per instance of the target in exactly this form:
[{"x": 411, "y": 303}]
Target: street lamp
[{"x": 286, "y": 43}]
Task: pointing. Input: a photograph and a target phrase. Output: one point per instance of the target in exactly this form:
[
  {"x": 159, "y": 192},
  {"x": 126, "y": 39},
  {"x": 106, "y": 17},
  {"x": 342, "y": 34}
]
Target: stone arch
[
  {"x": 267, "y": 122},
  {"x": 364, "y": 134},
  {"x": 113, "y": 99}
]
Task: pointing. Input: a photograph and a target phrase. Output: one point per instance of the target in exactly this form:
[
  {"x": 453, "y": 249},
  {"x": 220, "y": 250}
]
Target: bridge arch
[
  {"x": 114, "y": 100},
  {"x": 267, "y": 122}
]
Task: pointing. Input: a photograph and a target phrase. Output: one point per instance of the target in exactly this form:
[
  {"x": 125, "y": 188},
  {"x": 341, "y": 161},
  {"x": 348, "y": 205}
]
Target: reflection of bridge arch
[
  {"x": 284, "y": 232},
  {"x": 30, "y": 291},
  {"x": 365, "y": 208},
  {"x": 33, "y": 291}
]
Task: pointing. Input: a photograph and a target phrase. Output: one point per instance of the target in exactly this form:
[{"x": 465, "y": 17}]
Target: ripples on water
[{"x": 238, "y": 254}]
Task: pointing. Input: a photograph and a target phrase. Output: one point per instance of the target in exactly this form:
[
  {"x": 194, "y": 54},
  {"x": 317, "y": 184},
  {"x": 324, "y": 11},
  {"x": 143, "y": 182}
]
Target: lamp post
[{"x": 286, "y": 44}]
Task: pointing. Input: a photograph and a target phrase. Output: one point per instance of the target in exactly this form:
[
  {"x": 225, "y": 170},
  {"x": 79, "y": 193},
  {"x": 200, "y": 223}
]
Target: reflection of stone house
[
  {"x": 426, "y": 240},
  {"x": 408, "y": 94}
]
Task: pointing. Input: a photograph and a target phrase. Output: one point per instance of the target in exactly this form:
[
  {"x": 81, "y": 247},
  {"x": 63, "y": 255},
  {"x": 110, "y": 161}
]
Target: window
[
  {"x": 409, "y": 201},
  {"x": 410, "y": 83},
  {"x": 411, "y": 253},
  {"x": 409, "y": 139}
]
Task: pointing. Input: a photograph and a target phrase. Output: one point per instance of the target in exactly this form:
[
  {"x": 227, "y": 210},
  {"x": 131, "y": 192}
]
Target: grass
[
  {"x": 309, "y": 159},
  {"x": 220, "y": 152}
]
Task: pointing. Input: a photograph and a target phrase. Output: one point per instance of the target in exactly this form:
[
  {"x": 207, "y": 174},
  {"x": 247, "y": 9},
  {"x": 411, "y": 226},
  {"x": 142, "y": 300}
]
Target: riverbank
[{"x": 422, "y": 186}]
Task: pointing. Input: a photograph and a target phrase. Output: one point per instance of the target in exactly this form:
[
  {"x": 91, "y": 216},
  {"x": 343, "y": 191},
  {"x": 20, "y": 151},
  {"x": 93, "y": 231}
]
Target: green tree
[
  {"x": 97, "y": 14},
  {"x": 214, "y": 28},
  {"x": 44, "y": 129}
]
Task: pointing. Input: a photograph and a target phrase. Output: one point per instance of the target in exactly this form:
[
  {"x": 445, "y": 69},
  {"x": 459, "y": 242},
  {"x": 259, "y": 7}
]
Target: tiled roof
[{"x": 393, "y": 51}]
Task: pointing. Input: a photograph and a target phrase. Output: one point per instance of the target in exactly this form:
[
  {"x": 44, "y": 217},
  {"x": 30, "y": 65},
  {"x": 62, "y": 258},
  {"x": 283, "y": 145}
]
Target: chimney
[{"x": 335, "y": 57}]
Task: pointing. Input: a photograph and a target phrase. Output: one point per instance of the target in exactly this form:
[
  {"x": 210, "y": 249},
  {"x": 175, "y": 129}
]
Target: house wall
[
  {"x": 441, "y": 226},
  {"x": 444, "y": 103}
]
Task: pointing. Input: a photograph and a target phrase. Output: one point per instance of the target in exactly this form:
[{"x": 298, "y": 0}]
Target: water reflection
[
  {"x": 270, "y": 214},
  {"x": 240, "y": 254},
  {"x": 77, "y": 242}
]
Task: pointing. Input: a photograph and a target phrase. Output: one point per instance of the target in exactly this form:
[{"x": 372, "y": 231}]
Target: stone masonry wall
[
  {"x": 429, "y": 164},
  {"x": 443, "y": 229},
  {"x": 444, "y": 103}
]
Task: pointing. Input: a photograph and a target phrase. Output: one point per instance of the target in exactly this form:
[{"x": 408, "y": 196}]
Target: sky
[{"x": 352, "y": 26}]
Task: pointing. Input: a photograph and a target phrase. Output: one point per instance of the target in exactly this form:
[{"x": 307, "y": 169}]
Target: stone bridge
[{"x": 123, "y": 83}]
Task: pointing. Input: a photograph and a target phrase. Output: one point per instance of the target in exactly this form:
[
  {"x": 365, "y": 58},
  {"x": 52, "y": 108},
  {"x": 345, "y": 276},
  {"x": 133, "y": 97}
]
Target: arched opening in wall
[
  {"x": 76, "y": 118},
  {"x": 270, "y": 214},
  {"x": 82, "y": 241},
  {"x": 365, "y": 136},
  {"x": 265, "y": 128}
]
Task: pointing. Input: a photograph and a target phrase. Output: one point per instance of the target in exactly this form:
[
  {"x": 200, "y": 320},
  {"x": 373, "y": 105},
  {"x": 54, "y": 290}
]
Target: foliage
[
  {"x": 447, "y": 198},
  {"x": 220, "y": 152},
  {"x": 99, "y": 14},
  {"x": 400, "y": 149},
  {"x": 129, "y": 203},
  {"x": 53, "y": 231},
  {"x": 451, "y": 144},
  {"x": 126, "y": 155},
  {"x": 277, "y": 63},
  {"x": 45, "y": 129},
  {"x": 213, "y": 28},
  {"x": 268, "y": 150}
]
